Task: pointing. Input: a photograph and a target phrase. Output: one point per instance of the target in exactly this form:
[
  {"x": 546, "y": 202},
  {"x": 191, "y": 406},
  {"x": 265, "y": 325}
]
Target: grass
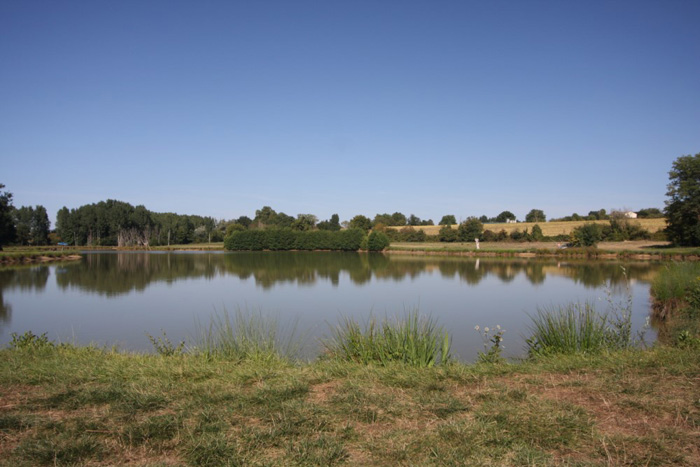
[
  {"x": 675, "y": 281},
  {"x": 241, "y": 336},
  {"x": 64, "y": 405},
  {"x": 412, "y": 339}
]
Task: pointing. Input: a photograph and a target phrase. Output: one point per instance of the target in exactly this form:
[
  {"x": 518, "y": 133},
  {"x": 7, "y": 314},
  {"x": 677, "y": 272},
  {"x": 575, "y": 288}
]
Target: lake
[{"x": 117, "y": 298}]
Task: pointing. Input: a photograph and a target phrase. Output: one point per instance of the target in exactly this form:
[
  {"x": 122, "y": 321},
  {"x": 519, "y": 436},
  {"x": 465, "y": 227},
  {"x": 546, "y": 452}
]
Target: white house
[{"x": 630, "y": 215}]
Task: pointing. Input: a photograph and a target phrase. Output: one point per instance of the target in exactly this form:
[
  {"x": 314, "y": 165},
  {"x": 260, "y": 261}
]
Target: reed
[{"x": 412, "y": 339}]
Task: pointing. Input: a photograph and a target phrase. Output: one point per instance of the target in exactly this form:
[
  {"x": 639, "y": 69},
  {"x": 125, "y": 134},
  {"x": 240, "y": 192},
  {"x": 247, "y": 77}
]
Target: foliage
[
  {"x": 414, "y": 339},
  {"x": 650, "y": 213},
  {"x": 470, "y": 230},
  {"x": 493, "y": 346},
  {"x": 599, "y": 215},
  {"x": 447, "y": 234},
  {"x": 287, "y": 239},
  {"x": 448, "y": 219},
  {"x": 32, "y": 225},
  {"x": 332, "y": 224},
  {"x": 536, "y": 233},
  {"x": 683, "y": 206},
  {"x": 377, "y": 241},
  {"x": 505, "y": 216},
  {"x": 304, "y": 222},
  {"x": 415, "y": 220},
  {"x": 587, "y": 235},
  {"x": 7, "y": 225},
  {"x": 621, "y": 228},
  {"x": 29, "y": 340},
  {"x": 535, "y": 215},
  {"x": 164, "y": 347},
  {"x": 395, "y": 219},
  {"x": 675, "y": 281},
  {"x": 360, "y": 222}
]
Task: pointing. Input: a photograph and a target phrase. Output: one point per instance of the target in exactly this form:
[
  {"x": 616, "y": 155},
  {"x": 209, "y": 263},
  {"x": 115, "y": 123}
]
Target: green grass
[{"x": 412, "y": 339}]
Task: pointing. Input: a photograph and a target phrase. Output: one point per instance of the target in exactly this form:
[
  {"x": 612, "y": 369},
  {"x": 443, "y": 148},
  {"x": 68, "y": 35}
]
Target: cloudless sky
[{"x": 354, "y": 107}]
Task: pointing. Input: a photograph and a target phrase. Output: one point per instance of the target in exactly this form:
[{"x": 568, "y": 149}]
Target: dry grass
[{"x": 550, "y": 229}]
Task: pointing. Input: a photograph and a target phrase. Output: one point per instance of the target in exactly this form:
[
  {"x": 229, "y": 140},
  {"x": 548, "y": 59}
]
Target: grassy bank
[
  {"x": 21, "y": 255},
  {"x": 63, "y": 406}
]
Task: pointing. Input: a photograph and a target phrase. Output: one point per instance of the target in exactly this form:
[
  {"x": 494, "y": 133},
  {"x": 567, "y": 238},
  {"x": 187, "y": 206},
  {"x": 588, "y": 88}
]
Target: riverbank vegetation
[{"x": 63, "y": 404}]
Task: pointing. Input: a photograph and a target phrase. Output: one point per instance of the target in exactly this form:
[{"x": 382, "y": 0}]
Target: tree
[
  {"x": 470, "y": 230},
  {"x": 447, "y": 234},
  {"x": 683, "y": 206},
  {"x": 360, "y": 222},
  {"x": 7, "y": 226},
  {"x": 304, "y": 222},
  {"x": 505, "y": 216},
  {"x": 650, "y": 213},
  {"x": 535, "y": 215},
  {"x": 333, "y": 224},
  {"x": 448, "y": 219}
]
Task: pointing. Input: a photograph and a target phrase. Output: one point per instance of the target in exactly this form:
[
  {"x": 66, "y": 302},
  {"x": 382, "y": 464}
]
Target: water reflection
[{"x": 121, "y": 273}]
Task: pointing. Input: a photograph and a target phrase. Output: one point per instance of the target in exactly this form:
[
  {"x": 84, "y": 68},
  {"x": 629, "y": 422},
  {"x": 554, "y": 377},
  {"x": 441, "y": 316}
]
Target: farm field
[{"x": 552, "y": 228}]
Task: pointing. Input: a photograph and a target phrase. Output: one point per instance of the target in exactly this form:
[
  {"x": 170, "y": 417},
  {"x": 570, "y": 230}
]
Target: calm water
[{"x": 117, "y": 298}]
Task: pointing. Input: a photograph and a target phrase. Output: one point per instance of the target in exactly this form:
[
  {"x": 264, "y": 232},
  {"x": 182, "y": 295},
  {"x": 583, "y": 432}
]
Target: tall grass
[
  {"x": 572, "y": 328},
  {"x": 413, "y": 339},
  {"x": 675, "y": 281},
  {"x": 246, "y": 336}
]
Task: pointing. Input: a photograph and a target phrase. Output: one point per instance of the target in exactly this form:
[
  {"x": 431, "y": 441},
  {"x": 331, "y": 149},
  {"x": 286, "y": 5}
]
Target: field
[{"x": 550, "y": 229}]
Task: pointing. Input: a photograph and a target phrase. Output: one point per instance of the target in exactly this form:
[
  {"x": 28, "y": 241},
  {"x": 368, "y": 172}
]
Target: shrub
[
  {"x": 536, "y": 234},
  {"x": 447, "y": 234},
  {"x": 377, "y": 241},
  {"x": 586, "y": 235}
]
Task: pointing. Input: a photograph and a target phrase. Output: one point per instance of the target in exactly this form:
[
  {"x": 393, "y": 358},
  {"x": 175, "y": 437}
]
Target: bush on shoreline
[{"x": 287, "y": 239}]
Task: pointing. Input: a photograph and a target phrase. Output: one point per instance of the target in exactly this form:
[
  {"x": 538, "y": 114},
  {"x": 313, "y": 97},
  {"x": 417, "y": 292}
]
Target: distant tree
[
  {"x": 7, "y": 226},
  {"x": 360, "y": 222},
  {"x": 377, "y": 241},
  {"x": 484, "y": 219},
  {"x": 234, "y": 227},
  {"x": 265, "y": 216},
  {"x": 398, "y": 219},
  {"x": 470, "y": 230},
  {"x": 683, "y": 206},
  {"x": 650, "y": 213},
  {"x": 599, "y": 215},
  {"x": 505, "y": 216},
  {"x": 304, "y": 222},
  {"x": 448, "y": 219},
  {"x": 333, "y": 224},
  {"x": 414, "y": 220},
  {"x": 535, "y": 215},
  {"x": 245, "y": 221}
]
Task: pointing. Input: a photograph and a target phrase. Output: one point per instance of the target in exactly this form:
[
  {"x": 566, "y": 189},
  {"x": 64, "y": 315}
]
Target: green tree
[
  {"x": 535, "y": 215},
  {"x": 7, "y": 225},
  {"x": 448, "y": 219},
  {"x": 683, "y": 206},
  {"x": 505, "y": 216},
  {"x": 377, "y": 241},
  {"x": 470, "y": 230},
  {"x": 536, "y": 234},
  {"x": 650, "y": 213},
  {"x": 304, "y": 222},
  {"x": 333, "y": 224},
  {"x": 360, "y": 222}
]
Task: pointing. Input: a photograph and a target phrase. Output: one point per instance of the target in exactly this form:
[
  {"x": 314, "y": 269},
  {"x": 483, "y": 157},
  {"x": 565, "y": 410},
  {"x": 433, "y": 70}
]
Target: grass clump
[
  {"x": 246, "y": 336},
  {"x": 414, "y": 340},
  {"x": 675, "y": 281}
]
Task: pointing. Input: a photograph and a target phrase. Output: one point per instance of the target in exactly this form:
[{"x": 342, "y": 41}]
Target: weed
[
  {"x": 164, "y": 347},
  {"x": 29, "y": 340},
  {"x": 493, "y": 338}
]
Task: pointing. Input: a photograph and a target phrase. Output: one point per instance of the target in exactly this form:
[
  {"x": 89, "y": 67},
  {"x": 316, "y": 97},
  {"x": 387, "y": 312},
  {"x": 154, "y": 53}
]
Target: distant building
[{"x": 630, "y": 215}]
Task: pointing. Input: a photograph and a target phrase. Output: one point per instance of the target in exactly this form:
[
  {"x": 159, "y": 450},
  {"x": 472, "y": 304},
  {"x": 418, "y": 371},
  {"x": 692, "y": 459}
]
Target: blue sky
[{"x": 351, "y": 107}]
